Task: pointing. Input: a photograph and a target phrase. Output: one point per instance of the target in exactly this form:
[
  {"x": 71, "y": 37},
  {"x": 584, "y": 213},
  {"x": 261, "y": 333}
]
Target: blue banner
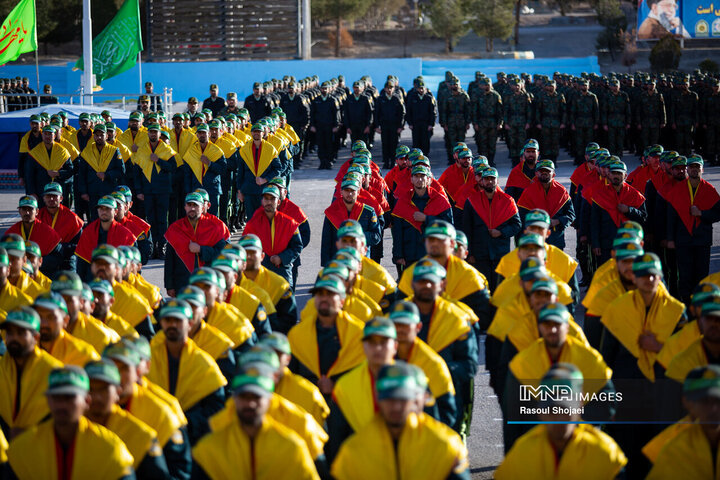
[{"x": 681, "y": 19}]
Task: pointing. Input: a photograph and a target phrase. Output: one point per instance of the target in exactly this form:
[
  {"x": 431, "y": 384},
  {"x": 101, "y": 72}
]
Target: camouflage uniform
[
  {"x": 550, "y": 114},
  {"x": 685, "y": 117},
  {"x": 487, "y": 117},
  {"x": 650, "y": 116},
  {"x": 711, "y": 122},
  {"x": 615, "y": 116},
  {"x": 442, "y": 94},
  {"x": 584, "y": 115},
  {"x": 517, "y": 115},
  {"x": 455, "y": 117}
]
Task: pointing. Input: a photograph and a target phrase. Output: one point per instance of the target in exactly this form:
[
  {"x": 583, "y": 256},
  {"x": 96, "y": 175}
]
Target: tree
[
  {"x": 493, "y": 19},
  {"x": 380, "y": 11},
  {"x": 449, "y": 20},
  {"x": 611, "y": 16},
  {"x": 665, "y": 55},
  {"x": 337, "y": 11}
]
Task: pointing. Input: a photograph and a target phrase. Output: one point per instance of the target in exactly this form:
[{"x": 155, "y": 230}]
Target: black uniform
[
  {"x": 389, "y": 116},
  {"x": 324, "y": 116},
  {"x": 257, "y": 107},
  {"x": 358, "y": 115},
  {"x": 421, "y": 114}
]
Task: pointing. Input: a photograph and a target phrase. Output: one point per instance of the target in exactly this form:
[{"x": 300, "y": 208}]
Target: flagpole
[
  {"x": 37, "y": 77},
  {"x": 87, "y": 79},
  {"x": 140, "y": 73}
]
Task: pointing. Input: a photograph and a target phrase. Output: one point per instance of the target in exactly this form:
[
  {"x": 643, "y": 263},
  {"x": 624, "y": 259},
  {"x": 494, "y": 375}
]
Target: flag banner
[{"x": 17, "y": 34}]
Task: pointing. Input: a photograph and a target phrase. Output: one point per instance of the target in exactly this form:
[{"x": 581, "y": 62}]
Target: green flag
[
  {"x": 116, "y": 48},
  {"x": 17, "y": 35}
]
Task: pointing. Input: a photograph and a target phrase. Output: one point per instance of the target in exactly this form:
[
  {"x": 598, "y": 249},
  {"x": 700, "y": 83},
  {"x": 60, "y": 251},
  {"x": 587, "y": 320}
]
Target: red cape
[
  {"x": 590, "y": 187},
  {"x": 679, "y": 197},
  {"x": 207, "y": 233},
  {"x": 453, "y": 179},
  {"x": 404, "y": 208},
  {"x": 639, "y": 177},
  {"x": 42, "y": 234},
  {"x": 285, "y": 228},
  {"x": 517, "y": 177},
  {"x": 65, "y": 222},
  {"x": 117, "y": 236},
  {"x": 534, "y": 197},
  {"x": 502, "y": 208},
  {"x": 579, "y": 174},
  {"x": 367, "y": 198},
  {"x": 135, "y": 224},
  {"x": 375, "y": 170},
  {"x": 396, "y": 176},
  {"x": 292, "y": 210},
  {"x": 608, "y": 199},
  {"x": 464, "y": 193},
  {"x": 337, "y": 212},
  {"x": 667, "y": 185}
]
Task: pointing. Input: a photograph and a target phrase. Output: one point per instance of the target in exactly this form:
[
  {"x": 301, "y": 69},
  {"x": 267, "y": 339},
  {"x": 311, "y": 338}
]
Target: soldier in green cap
[
  {"x": 649, "y": 114},
  {"x": 584, "y": 119},
  {"x": 215, "y": 103},
  {"x": 257, "y": 104},
  {"x": 51, "y": 162},
  {"x": 455, "y": 116},
  {"x": 422, "y": 111},
  {"x": 710, "y": 122},
  {"x": 358, "y": 114},
  {"x": 517, "y": 117},
  {"x": 100, "y": 168},
  {"x": 389, "y": 118},
  {"x": 684, "y": 115},
  {"x": 487, "y": 117},
  {"x": 205, "y": 165},
  {"x": 296, "y": 106},
  {"x": 29, "y": 141},
  {"x": 550, "y": 119},
  {"x": 324, "y": 123},
  {"x": 615, "y": 117}
]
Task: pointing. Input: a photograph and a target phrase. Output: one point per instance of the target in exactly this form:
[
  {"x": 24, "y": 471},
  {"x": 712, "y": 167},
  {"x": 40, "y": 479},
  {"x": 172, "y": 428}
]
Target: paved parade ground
[{"x": 311, "y": 189}]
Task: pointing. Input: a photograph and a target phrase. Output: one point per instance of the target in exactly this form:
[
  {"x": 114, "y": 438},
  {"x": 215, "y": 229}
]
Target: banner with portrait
[{"x": 679, "y": 18}]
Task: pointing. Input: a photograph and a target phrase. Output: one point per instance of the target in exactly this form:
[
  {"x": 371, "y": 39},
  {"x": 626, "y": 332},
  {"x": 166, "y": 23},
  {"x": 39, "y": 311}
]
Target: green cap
[
  {"x": 34, "y": 118},
  {"x": 67, "y": 283},
  {"x": 257, "y": 127},
  {"x": 251, "y": 242},
  {"x": 380, "y": 326},
  {"x": 479, "y": 162},
  {"x": 402, "y": 151},
  {"x": 53, "y": 188},
  {"x": 397, "y": 381},
  {"x": 204, "y": 275},
  {"x": 350, "y": 228},
  {"x": 277, "y": 341},
  {"x": 119, "y": 197},
  {"x": 253, "y": 381},
  {"x": 214, "y": 124},
  {"x": 102, "y": 286},
  {"x": 106, "y": 252},
  {"x": 350, "y": 254},
  {"x": 532, "y": 269},
  {"x": 531, "y": 239},
  {"x": 272, "y": 190},
  {"x": 702, "y": 382},
  {"x": 259, "y": 355},
  {"x": 4, "y": 260},
  {"x": 278, "y": 182},
  {"x": 124, "y": 352},
  {"x": 136, "y": 116},
  {"x": 124, "y": 189},
  {"x": 236, "y": 251},
  {"x": 711, "y": 306},
  {"x": 154, "y": 126},
  {"x": 32, "y": 249},
  {"x": 465, "y": 153},
  {"x": 225, "y": 264},
  {"x": 679, "y": 162},
  {"x": 194, "y": 197},
  {"x": 24, "y": 317},
  {"x": 337, "y": 269},
  {"x": 69, "y": 380},
  {"x": 460, "y": 239},
  {"x": 405, "y": 312},
  {"x": 100, "y": 128},
  {"x": 490, "y": 172},
  {"x": 176, "y": 309},
  {"x": 103, "y": 370},
  {"x": 695, "y": 159},
  {"x": 428, "y": 269},
  {"x": 647, "y": 264},
  {"x": 625, "y": 249},
  {"x": 554, "y": 312},
  {"x": 531, "y": 143},
  {"x": 703, "y": 293},
  {"x": 330, "y": 283},
  {"x": 110, "y": 126},
  {"x": 545, "y": 164},
  {"x": 440, "y": 229},
  {"x": 421, "y": 170},
  {"x": 566, "y": 375},
  {"x": 107, "y": 201},
  {"x": 537, "y": 217},
  {"x": 203, "y": 127},
  {"x": 618, "y": 167},
  {"x": 545, "y": 285},
  {"x": 193, "y": 295},
  {"x": 14, "y": 245},
  {"x": 350, "y": 184},
  {"x": 48, "y": 129}
]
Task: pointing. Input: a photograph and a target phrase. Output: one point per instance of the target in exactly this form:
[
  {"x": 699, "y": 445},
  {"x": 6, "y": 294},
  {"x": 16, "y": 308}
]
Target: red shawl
[
  {"x": 639, "y": 177},
  {"x": 679, "y": 197},
  {"x": 135, "y": 224},
  {"x": 292, "y": 210},
  {"x": 40, "y": 233},
  {"x": 517, "y": 177},
  {"x": 275, "y": 237},
  {"x": 464, "y": 193},
  {"x": 337, "y": 212},
  {"x": 117, "y": 236},
  {"x": 667, "y": 185},
  {"x": 608, "y": 199},
  {"x": 535, "y": 197},
  {"x": 405, "y": 208},
  {"x": 578, "y": 176},
  {"x": 453, "y": 179},
  {"x": 374, "y": 170},
  {"x": 64, "y": 222},
  {"x": 396, "y": 176},
  {"x": 496, "y": 213},
  {"x": 590, "y": 187},
  {"x": 377, "y": 182},
  {"x": 207, "y": 233}
]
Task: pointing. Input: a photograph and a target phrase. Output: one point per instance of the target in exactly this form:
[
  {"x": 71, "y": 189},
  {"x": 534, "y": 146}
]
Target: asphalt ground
[{"x": 312, "y": 189}]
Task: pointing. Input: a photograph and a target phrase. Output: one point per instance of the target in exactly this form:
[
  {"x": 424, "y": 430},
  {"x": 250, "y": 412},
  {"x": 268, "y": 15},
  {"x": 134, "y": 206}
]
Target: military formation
[{"x": 104, "y": 375}]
